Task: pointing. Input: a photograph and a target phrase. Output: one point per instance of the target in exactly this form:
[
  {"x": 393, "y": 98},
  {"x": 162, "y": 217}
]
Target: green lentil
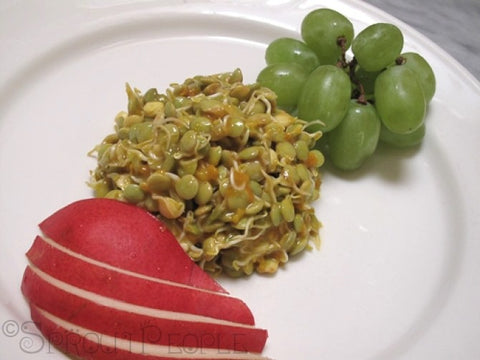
[
  {"x": 299, "y": 223},
  {"x": 182, "y": 102},
  {"x": 287, "y": 209},
  {"x": 102, "y": 149},
  {"x": 276, "y": 132},
  {"x": 253, "y": 170},
  {"x": 258, "y": 108},
  {"x": 228, "y": 158},
  {"x": 115, "y": 194},
  {"x": 214, "y": 155},
  {"x": 101, "y": 188},
  {"x": 173, "y": 133},
  {"x": 291, "y": 175},
  {"x": 211, "y": 106},
  {"x": 240, "y": 92},
  {"x": 187, "y": 187},
  {"x": 236, "y": 127},
  {"x": 254, "y": 208},
  {"x": 234, "y": 77},
  {"x": 238, "y": 201},
  {"x": 123, "y": 133},
  {"x": 301, "y": 150},
  {"x": 150, "y": 95},
  {"x": 299, "y": 245},
  {"x": 286, "y": 149},
  {"x": 188, "y": 142},
  {"x": 201, "y": 125},
  {"x": 131, "y": 120},
  {"x": 256, "y": 188},
  {"x": 170, "y": 110},
  {"x": 288, "y": 240},
  {"x": 119, "y": 120},
  {"x": 133, "y": 193},
  {"x": 204, "y": 194},
  {"x": 140, "y": 132},
  {"x": 210, "y": 247},
  {"x": 250, "y": 153},
  {"x": 154, "y": 108},
  {"x": 316, "y": 158},
  {"x": 302, "y": 172},
  {"x": 276, "y": 214},
  {"x": 159, "y": 182},
  {"x": 187, "y": 166}
]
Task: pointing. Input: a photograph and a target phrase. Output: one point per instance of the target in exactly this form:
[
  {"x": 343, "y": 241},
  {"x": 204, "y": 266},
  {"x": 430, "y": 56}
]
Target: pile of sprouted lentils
[{"x": 230, "y": 174}]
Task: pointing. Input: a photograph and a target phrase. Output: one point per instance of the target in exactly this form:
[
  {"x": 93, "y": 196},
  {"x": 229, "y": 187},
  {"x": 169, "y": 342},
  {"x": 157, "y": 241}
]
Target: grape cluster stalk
[{"x": 378, "y": 94}]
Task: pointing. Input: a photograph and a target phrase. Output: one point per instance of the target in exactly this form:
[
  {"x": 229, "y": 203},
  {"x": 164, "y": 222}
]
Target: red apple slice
[
  {"x": 83, "y": 273},
  {"x": 125, "y": 236},
  {"x": 85, "y": 344},
  {"x": 117, "y": 319}
]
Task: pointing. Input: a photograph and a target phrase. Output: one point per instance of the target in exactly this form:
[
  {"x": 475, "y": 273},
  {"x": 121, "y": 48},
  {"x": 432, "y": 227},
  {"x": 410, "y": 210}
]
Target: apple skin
[
  {"x": 131, "y": 325},
  {"x": 125, "y": 236},
  {"x": 87, "y": 346},
  {"x": 114, "y": 270},
  {"x": 134, "y": 290}
]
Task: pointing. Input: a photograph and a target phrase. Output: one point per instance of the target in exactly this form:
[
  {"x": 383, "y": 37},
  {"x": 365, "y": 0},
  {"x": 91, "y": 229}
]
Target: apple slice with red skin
[
  {"x": 142, "y": 291},
  {"x": 84, "y": 344},
  {"x": 125, "y": 236},
  {"x": 122, "y": 320}
]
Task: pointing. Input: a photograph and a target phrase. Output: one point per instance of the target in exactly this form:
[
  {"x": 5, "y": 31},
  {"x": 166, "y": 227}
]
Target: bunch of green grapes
[{"x": 376, "y": 94}]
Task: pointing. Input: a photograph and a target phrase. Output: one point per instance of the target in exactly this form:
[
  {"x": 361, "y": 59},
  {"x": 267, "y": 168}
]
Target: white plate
[{"x": 398, "y": 273}]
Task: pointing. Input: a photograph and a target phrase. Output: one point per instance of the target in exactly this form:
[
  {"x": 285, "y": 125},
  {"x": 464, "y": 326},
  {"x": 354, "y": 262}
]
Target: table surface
[{"x": 451, "y": 24}]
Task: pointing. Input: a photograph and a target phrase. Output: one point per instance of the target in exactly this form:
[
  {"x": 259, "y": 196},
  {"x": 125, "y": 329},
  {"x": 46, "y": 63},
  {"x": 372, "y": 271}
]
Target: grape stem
[
  {"x": 344, "y": 64},
  {"x": 342, "y": 42},
  {"x": 361, "y": 99},
  {"x": 400, "y": 60}
]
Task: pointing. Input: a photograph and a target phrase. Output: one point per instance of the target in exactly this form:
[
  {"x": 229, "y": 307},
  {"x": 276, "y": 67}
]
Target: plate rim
[{"x": 446, "y": 57}]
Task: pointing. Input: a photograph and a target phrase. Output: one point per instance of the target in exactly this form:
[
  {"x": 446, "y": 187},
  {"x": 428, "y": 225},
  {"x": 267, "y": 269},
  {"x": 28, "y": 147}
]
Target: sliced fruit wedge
[
  {"x": 107, "y": 280},
  {"x": 134, "y": 288},
  {"x": 125, "y": 236}
]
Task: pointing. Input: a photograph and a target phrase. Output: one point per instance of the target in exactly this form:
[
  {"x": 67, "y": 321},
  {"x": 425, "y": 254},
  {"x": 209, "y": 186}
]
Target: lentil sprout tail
[{"x": 232, "y": 176}]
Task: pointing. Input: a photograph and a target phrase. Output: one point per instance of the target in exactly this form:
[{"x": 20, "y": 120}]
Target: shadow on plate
[{"x": 388, "y": 163}]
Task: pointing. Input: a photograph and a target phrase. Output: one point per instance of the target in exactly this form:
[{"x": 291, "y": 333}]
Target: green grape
[
  {"x": 402, "y": 140},
  {"x": 288, "y": 50},
  {"x": 377, "y": 46},
  {"x": 424, "y": 73},
  {"x": 286, "y": 80},
  {"x": 399, "y": 99},
  {"x": 355, "y": 139},
  {"x": 325, "y": 96},
  {"x": 321, "y": 29}
]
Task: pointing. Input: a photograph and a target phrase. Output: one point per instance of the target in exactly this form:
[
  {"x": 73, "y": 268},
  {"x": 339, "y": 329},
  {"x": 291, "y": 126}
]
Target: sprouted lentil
[{"x": 231, "y": 175}]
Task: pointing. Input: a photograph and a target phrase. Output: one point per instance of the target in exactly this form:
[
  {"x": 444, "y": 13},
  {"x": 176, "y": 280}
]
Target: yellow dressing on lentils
[{"x": 232, "y": 175}]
